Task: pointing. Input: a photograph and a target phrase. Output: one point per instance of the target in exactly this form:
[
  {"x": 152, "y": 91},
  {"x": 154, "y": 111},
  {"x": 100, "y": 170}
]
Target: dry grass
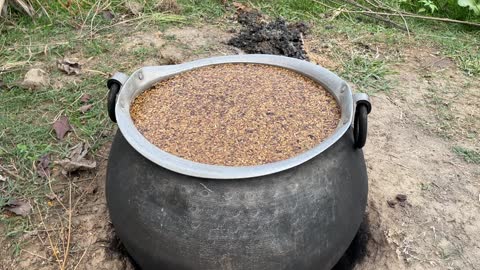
[{"x": 171, "y": 6}]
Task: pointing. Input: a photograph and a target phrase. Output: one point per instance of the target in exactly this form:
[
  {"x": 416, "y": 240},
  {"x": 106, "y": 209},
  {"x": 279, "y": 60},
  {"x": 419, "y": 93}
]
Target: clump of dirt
[{"x": 276, "y": 37}]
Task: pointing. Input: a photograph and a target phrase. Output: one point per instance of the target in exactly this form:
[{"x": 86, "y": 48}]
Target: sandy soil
[{"x": 406, "y": 152}]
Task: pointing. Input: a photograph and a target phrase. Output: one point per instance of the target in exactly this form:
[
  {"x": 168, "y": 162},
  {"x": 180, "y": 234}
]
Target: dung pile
[{"x": 276, "y": 37}]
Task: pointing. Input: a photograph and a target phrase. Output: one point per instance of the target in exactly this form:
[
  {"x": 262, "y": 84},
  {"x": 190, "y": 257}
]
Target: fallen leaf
[
  {"x": 76, "y": 160},
  {"x": 85, "y": 98},
  {"x": 3, "y": 178},
  {"x": 241, "y": 7},
  {"x": 18, "y": 207},
  {"x": 69, "y": 66},
  {"x": 20, "y": 5},
  {"x": 171, "y": 6},
  {"x": 108, "y": 15},
  {"x": 43, "y": 169},
  {"x": 134, "y": 7},
  {"x": 85, "y": 108},
  {"x": 238, "y": 5},
  {"x": 61, "y": 127}
]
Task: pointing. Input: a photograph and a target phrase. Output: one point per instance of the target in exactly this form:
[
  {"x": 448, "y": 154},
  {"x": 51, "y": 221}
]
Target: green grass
[
  {"x": 205, "y": 9},
  {"x": 143, "y": 53},
  {"x": 293, "y": 10},
  {"x": 469, "y": 155},
  {"x": 367, "y": 73},
  {"x": 26, "y": 116},
  {"x": 442, "y": 108}
]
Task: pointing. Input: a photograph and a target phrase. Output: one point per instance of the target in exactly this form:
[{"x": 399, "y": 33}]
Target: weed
[
  {"x": 366, "y": 73},
  {"x": 206, "y": 9},
  {"x": 469, "y": 155},
  {"x": 291, "y": 9},
  {"x": 142, "y": 53}
]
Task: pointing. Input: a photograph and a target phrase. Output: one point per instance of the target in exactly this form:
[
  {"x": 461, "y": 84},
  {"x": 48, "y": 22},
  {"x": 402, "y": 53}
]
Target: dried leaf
[
  {"x": 3, "y": 178},
  {"x": 85, "y": 98},
  {"x": 43, "y": 169},
  {"x": 134, "y": 7},
  {"x": 85, "y": 108},
  {"x": 21, "y": 5},
  {"x": 241, "y": 7},
  {"x": 76, "y": 160},
  {"x": 61, "y": 127},
  {"x": 171, "y": 6},
  {"x": 108, "y": 15},
  {"x": 69, "y": 66},
  {"x": 18, "y": 207}
]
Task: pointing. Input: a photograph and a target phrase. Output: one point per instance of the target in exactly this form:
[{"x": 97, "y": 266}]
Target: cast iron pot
[{"x": 299, "y": 213}]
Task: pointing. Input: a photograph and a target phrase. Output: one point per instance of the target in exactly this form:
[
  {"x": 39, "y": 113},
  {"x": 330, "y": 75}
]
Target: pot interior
[{"x": 146, "y": 77}]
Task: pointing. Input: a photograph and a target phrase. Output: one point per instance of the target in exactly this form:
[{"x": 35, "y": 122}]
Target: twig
[
  {"x": 11, "y": 173},
  {"x": 203, "y": 185},
  {"x": 65, "y": 254},
  {"x": 54, "y": 249},
  {"x": 374, "y": 15},
  {"x": 81, "y": 258},
  {"x": 36, "y": 255},
  {"x": 414, "y": 16},
  {"x": 54, "y": 194},
  {"x": 96, "y": 71}
]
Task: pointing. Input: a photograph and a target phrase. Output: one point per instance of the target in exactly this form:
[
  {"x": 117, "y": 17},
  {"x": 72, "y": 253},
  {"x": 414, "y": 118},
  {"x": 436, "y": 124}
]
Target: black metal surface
[
  {"x": 301, "y": 218},
  {"x": 113, "y": 89},
  {"x": 360, "y": 125}
]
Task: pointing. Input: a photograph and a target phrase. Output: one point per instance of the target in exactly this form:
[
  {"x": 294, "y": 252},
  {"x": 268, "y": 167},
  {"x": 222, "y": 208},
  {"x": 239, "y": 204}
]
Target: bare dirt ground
[{"x": 407, "y": 152}]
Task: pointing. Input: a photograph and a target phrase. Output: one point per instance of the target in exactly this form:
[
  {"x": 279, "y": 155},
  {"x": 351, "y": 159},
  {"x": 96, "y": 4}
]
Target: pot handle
[
  {"x": 360, "y": 125},
  {"x": 114, "y": 84}
]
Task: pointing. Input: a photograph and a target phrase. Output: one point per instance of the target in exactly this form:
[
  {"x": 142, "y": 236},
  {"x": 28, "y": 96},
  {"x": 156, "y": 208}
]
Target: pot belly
[{"x": 302, "y": 218}]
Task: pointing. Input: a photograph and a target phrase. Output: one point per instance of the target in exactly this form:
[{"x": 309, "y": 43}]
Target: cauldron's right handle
[
  {"x": 360, "y": 125},
  {"x": 114, "y": 85}
]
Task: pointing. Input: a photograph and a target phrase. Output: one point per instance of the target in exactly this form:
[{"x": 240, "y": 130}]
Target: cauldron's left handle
[
  {"x": 362, "y": 108},
  {"x": 114, "y": 85}
]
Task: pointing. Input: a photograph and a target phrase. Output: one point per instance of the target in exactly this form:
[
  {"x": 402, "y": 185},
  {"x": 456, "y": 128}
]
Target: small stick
[
  {"x": 11, "y": 173},
  {"x": 81, "y": 258},
  {"x": 415, "y": 16},
  {"x": 36, "y": 255},
  {"x": 203, "y": 185},
  {"x": 65, "y": 254},
  {"x": 387, "y": 21},
  {"x": 54, "y": 249}
]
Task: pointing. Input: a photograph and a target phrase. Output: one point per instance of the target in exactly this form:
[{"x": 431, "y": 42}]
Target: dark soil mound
[
  {"x": 357, "y": 250},
  {"x": 277, "y": 37}
]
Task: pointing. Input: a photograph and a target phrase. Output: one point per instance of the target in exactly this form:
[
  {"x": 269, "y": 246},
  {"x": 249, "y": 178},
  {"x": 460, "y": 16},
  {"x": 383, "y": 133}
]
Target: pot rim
[{"x": 145, "y": 77}]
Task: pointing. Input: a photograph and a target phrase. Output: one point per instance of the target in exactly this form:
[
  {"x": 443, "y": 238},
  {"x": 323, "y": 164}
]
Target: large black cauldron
[{"x": 300, "y": 213}]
